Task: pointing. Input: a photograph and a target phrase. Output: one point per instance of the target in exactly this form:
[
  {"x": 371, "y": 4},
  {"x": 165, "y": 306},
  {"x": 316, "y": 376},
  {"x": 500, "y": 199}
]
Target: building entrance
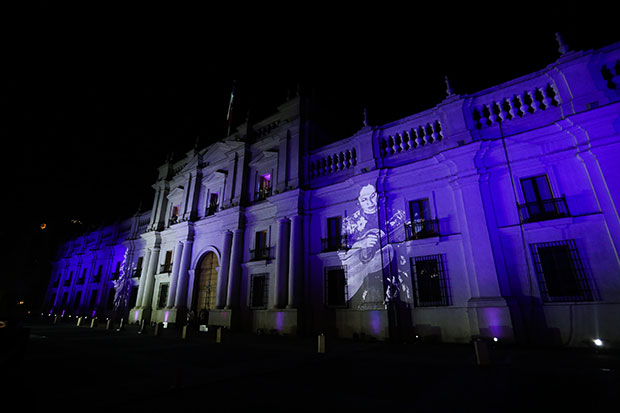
[{"x": 207, "y": 284}]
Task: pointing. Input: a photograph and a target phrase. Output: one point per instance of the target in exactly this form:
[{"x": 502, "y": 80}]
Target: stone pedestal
[
  {"x": 283, "y": 321},
  {"x": 490, "y": 317},
  {"x": 137, "y": 314},
  {"x": 221, "y": 318}
]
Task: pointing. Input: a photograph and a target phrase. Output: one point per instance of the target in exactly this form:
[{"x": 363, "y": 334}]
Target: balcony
[
  {"x": 543, "y": 210},
  {"x": 262, "y": 194},
  {"x": 137, "y": 272},
  {"x": 422, "y": 229},
  {"x": 260, "y": 254},
  {"x": 211, "y": 210},
  {"x": 334, "y": 243},
  {"x": 165, "y": 268}
]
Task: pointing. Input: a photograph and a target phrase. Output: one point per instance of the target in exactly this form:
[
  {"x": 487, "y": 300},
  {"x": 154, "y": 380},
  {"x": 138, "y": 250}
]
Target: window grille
[
  {"x": 336, "y": 289},
  {"x": 431, "y": 284},
  {"x": 335, "y": 241},
  {"x": 559, "y": 271},
  {"x": 259, "y": 291},
  {"x": 162, "y": 300}
]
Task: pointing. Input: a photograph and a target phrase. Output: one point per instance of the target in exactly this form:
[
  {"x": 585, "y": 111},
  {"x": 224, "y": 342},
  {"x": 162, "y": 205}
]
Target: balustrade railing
[
  {"x": 515, "y": 104},
  {"x": 542, "y": 210},
  {"x": 260, "y": 254},
  {"x": 335, "y": 243},
  {"x": 422, "y": 229},
  {"x": 332, "y": 163},
  {"x": 262, "y": 194},
  {"x": 411, "y": 137}
]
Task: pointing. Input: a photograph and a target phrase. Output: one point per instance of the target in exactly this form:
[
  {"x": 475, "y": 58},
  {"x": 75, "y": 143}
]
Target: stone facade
[{"x": 492, "y": 214}]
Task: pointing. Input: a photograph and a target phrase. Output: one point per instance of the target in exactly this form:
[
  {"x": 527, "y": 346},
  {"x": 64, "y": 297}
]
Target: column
[
  {"x": 149, "y": 282},
  {"x": 222, "y": 275},
  {"x": 282, "y": 247},
  {"x": 295, "y": 262},
  {"x": 181, "y": 293},
  {"x": 174, "y": 277},
  {"x": 476, "y": 239},
  {"x": 234, "y": 272}
]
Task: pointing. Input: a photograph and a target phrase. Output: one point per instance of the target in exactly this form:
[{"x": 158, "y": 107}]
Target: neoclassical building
[{"x": 493, "y": 214}]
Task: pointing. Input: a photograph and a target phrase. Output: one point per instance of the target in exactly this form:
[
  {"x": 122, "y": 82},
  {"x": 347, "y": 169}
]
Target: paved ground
[{"x": 75, "y": 367}]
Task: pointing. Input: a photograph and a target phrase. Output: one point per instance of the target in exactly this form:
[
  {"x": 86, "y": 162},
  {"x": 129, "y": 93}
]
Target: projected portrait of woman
[{"x": 369, "y": 251}]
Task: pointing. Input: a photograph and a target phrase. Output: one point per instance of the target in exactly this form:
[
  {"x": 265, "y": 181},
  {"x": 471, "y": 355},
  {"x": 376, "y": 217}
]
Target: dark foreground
[{"x": 79, "y": 368}]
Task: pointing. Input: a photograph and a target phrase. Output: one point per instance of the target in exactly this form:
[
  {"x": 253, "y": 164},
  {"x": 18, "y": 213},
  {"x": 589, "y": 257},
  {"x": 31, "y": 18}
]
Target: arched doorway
[{"x": 206, "y": 283}]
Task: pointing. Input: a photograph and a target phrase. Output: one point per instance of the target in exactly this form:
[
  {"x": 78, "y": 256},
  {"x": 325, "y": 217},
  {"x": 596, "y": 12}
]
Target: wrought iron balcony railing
[
  {"x": 335, "y": 243},
  {"x": 211, "y": 210},
  {"x": 542, "y": 210},
  {"x": 260, "y": 254},
  {"x": 262, "y": 193},
  {"x": 422, "y": 229}
]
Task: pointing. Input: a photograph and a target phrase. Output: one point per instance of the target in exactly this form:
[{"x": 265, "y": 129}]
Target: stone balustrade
[
  {"x": 328, "y": 163},
  {"x": 410, "y": 137},
  {"x": 508, "y": 104}
]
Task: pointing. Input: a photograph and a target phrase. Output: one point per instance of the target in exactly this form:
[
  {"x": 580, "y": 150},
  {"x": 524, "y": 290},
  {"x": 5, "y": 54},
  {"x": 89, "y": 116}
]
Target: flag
[{"x": 230, "y": 106}]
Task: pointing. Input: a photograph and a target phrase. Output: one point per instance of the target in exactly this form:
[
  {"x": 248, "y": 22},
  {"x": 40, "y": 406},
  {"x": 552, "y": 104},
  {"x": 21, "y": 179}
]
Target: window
[
  {"x": 98, "y": 275},
  {"x": 422, "y": 225},
  {"x": 212, "y": 209},
  {"x": 80, "y": 280},
  {"x": 162, "y": 299},
  {"x": 117, "y": 272},
  {"x": 68, "y": 280},
  {"x": 110, "y": 303},
  {"x": 167, "y": 265},
  {"x": 263, "y": 187},
  {"x": 259, "y": 290},
  {"x": 430, "y": 281},
  {"x": 93, "y": 300},
  {"x": 261, "y": 249},
  {"x": 138, "y": 271},
  {"x": 539, "y": 201},
  {"x": 77, "y": 299},
  {"x": 334, "y": 240},
  {"x": 560, "y": 272},
  {"x": 174, "y": 216},
  {"x": 335, "y": 287}
]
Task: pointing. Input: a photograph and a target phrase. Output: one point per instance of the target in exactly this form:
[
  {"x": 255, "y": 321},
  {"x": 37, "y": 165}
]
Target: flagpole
[{"x": 230, "y": 106}]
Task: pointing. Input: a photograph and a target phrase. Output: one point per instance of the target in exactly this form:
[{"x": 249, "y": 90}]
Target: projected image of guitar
[{"x": 370, "y": 251}]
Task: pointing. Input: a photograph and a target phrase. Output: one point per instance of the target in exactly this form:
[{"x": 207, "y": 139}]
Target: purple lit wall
[{"x": 443, "y": 237}]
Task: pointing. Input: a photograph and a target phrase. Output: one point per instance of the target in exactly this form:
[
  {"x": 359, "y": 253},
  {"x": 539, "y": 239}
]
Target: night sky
[{"x": 96, "y": 99}]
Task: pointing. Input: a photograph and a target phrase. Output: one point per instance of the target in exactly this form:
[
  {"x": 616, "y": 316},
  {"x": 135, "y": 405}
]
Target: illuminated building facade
[{"x": 493, "y": 214}]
